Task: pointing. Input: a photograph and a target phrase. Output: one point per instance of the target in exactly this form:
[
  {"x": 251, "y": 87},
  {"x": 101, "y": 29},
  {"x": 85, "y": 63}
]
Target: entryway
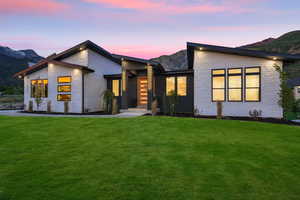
[{"x": 142, "y": 92}]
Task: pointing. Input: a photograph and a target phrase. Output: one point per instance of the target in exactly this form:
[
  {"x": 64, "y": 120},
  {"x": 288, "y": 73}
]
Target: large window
[
  {"x": 64, "y": 88},
  {"x": 64, "y": 79},
  {"x": 176, "y": 84},
  {"x": 116, "y": 87},
  {"x": 235, "y": 84},
  {"x": 63, "y": 97},
  {"x": 181, "y": 85},
  {"x": 252, "y": 84},
  {"x": 218, "y": 85},
  {"x": 39, "y": 88},
  {"x": 170, "y": 85}
]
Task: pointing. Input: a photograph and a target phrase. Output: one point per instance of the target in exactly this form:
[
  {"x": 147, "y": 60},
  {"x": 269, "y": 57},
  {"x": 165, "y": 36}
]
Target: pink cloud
[
  {"x": 141, "y": 51},
  {"x": 31, "y": 6},
  {"x": 181, "y": 7},
  {"x": 161, "y": 6}
]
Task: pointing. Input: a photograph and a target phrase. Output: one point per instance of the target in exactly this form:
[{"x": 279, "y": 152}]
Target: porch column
[
  {"x": 150, "y": 85},
  {"x": 124, "y": 103}
]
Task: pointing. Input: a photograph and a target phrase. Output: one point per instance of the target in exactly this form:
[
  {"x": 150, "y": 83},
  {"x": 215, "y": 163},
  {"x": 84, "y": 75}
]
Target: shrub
[
  {"x": 108, "y": 97},
  {"x": 256, "y": 114},
  {"x": 172, "y": 102},
  {"x": 115, "y": 107},
  {"x": 154, "y": 106}
]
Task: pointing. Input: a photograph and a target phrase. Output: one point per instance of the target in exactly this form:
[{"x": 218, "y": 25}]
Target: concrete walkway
[{"x": 123, "y": 114}]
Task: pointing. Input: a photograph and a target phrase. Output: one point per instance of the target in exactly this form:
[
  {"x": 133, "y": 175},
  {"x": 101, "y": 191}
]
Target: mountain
[
  {"x": 175, "y": 61},
  {"x": 287, "y": 43},
  {"x": 12, "y": 61}
]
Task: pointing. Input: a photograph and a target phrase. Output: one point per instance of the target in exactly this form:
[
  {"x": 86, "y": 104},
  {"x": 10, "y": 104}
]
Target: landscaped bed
[{"x": 147, "y": 158}]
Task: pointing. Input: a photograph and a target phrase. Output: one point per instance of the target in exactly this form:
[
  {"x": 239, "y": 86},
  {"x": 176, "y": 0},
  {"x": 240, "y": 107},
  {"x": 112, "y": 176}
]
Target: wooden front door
[{"x": 142, "y": 91}]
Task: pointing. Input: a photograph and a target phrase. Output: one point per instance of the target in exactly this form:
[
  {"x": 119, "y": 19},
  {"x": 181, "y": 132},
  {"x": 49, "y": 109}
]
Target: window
[
  {"x": 116, "y": 87},
  {"x": 252, "y": 84},
  {"x": 218, "y": 85},
  {"x": 64, "y": 79},
  {"x": 39, "y": 88},
  {"x": 181, "y": 86},
  {"x": 170, "y": 85},
  {"x": 64, "y": 88},
  {"x": 235, "y": 85},
  {"x": 298, "y": 89},
  {"x": 177, "y": 85},
  {"x": 63, "y": 97}
]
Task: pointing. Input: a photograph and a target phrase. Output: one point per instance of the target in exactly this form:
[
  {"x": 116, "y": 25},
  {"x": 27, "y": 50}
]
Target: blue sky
[{"x": 142, "y": 28}]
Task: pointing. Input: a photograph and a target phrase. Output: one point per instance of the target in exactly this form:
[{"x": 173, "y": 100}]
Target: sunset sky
[{"x": 142, "y": 28}]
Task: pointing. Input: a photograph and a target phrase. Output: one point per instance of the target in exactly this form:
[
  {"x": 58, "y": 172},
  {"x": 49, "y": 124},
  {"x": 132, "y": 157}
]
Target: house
[
  {"x": 243, "y": 80},
  {"x": 295, "y": 85}
]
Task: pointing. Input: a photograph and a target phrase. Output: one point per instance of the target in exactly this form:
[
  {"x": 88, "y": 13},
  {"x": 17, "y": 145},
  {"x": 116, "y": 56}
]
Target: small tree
[
  {"x": 108, "y": 97},
  {"x": 38, "y": 97},
  {"x": 286, "y": 94},
  {"x": 30, "y": 106},
  {"x": 115, "y": 107},
  {"x": 172, "y": 100},
  {"x": 154, "y": 105}
]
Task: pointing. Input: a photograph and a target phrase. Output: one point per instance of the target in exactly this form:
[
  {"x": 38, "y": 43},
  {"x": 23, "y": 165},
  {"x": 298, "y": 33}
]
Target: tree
[
  {"x": 286, "y": 94},
  {"x": 108, "y": 97},
  {"x": 38, "y": 97},
  {"x": 172, "y": 102}
]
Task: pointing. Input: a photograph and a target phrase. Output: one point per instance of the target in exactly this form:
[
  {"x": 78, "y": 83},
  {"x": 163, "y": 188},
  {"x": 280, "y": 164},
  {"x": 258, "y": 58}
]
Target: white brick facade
[{"x": 205, "y": 61}]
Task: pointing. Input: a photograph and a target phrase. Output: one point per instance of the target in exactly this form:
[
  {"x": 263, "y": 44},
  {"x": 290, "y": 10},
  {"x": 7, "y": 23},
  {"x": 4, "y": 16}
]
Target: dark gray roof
[
  {"x": 134, "y": 59},
  {"x": 236, "y": 51}
]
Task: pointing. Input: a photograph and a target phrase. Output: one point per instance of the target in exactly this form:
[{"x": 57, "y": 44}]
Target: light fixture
[
  {"x": 200, "y": 48},
  {"x": 20, "y": 77},
  {"x": 81, "y": 48},
  {"x": 274, "y": 58}
]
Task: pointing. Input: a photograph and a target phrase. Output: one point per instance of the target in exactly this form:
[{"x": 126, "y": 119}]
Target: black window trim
[
  {"x": 218, "y": 75},
  {"x": 245, "y": 86},
  {"x": 63, "y": 91},
  {"x": 57, "y": 79},
  {"x": 46, "y": 93},
  {"x": 241, "y": 88},
  {"x": 176, "y": 84},
  {"x": 64, "y": 100}
]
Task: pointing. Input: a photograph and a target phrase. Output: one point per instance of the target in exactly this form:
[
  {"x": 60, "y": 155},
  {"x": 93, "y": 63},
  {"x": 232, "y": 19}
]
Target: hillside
[
  {"x": 12, "y": 61},
  {"x": 287, "y": 43}
]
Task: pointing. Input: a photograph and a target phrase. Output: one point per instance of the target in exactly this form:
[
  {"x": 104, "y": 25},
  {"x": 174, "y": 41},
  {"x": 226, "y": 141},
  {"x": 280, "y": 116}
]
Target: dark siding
[
  {"x": 185, "y": 103},
  {"x": 132, "y": 92}
]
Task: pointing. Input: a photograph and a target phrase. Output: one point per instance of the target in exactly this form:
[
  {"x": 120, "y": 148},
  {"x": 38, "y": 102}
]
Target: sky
[{"x": 142, "y": 28}]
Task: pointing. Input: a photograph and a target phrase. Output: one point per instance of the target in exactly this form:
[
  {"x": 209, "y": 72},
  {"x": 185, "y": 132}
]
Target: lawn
[{"x": 147, "y": 158}]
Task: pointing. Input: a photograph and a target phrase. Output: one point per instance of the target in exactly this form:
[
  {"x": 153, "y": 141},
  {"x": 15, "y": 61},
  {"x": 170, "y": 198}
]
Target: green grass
[{"x": 147, "y": 158}]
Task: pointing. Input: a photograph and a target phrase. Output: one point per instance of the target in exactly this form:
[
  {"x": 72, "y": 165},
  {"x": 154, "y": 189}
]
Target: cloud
[
  {"x": 31, "y": 6},
  {"x": 169, "y": 7}
]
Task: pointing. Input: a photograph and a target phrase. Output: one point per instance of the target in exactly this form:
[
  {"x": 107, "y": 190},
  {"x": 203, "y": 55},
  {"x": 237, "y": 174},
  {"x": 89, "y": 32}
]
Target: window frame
[
  {"x": 64, "y": 100},
  {"x": 245, "y": 85},
  {"x": 176, "y": 85},
  {"x": 175, "y": 89},
  {"x": 119, "y": 86},
  {"x": 64, "y": 86},
  {"x": 242, "y": 85},
  {"x": 45, "y": 88},
  {"x": 57, "y": 79},
  {"x": 212, "y": 81}
]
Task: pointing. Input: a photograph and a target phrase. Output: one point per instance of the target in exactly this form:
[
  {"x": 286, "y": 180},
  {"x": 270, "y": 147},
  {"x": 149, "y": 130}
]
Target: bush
[
  {"x": 172, "y": 102},
  {"x": 66, "y": 107},
  {"x": 115, "y": 107},
  {"x": 108, "y": 97},
  {"x": 49, "y": 107},
  {"x": 30, "y": 106},
  {"x": 154, "y": 106}
]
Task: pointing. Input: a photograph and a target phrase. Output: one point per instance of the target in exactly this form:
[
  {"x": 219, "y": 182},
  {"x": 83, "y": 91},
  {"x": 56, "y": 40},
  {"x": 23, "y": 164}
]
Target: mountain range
[{"x": 12, "y": 61}]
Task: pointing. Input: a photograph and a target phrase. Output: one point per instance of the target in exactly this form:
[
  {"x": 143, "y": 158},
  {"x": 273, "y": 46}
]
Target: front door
[{"x": 142, "y": 91}]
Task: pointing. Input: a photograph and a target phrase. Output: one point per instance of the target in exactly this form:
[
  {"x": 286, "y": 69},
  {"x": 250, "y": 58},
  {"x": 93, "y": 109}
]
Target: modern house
[{"x": 244, "y": 80}]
